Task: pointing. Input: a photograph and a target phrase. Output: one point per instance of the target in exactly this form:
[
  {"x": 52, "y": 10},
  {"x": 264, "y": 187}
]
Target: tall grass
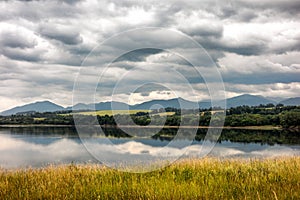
[{"x": 191, "y": 179}]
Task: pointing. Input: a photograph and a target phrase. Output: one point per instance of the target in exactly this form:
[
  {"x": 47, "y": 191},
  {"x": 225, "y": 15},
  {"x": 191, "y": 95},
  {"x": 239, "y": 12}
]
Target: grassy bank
[{"x": 193, "y": 179}]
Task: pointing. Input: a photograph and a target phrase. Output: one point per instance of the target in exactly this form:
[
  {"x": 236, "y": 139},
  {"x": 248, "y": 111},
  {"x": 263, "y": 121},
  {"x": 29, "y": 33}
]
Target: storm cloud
[{"x": 43, "y": 44}]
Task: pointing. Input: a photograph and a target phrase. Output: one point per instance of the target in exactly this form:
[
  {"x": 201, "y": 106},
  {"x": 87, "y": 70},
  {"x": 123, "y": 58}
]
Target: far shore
[{"x": 130, "y": 126}]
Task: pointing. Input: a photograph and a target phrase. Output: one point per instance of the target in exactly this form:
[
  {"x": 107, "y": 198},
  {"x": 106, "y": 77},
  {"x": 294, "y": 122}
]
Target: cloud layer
[{"x": 255, "y": 44}]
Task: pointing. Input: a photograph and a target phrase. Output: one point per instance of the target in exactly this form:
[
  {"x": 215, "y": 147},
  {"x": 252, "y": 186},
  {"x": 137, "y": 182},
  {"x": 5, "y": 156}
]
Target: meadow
[
  {"x": 207, "y": 178},
  {"x": 121, "y": 112},
  {"x": 110, "y": 112}
]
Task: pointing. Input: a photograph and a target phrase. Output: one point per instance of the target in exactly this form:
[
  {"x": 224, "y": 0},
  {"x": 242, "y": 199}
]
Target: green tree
[{"x": 290, "y": 119}]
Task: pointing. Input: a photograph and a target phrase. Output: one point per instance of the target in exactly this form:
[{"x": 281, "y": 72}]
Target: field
[
  {"x": 120, "y": 112},
  {"x": 191, "y": 179},
  {"x": 110, "y": 113}
]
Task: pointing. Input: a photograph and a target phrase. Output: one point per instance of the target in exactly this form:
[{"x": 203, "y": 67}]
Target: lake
[{"x": 40, "y": 146}]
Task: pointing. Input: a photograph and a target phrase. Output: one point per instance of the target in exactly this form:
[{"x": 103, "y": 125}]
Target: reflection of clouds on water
[
  {"x": 137, "y": 148},
  {"x": 221, "y": 152},
  {"x": 16, "y": 152},
  {"x": 268, "y": 152},
  {"x": 276, "y": 151}
]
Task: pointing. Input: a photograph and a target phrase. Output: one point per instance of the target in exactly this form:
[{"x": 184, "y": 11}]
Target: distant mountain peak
[
  {"x": 247, "y": 95},
  {"x": 248, "y": 99},
  {"x": 244, "y": 99},
  {"x": 291, "y": 101},
  {"x": 44, "y": 102},
  {"x": 39, "y": 106}
]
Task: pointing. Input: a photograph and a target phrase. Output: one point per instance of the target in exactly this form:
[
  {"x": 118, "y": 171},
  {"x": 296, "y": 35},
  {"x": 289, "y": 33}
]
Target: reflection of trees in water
[
  {"x": 270, "y": 137},
  {"x": 40, "y": 131}
]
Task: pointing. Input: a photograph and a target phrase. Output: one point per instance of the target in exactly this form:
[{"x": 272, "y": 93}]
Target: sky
[{"x": 46, "y": 45}]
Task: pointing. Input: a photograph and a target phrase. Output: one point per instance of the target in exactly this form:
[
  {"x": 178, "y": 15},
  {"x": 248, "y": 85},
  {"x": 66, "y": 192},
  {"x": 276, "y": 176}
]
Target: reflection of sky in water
[{"x": 31, "y": 150}]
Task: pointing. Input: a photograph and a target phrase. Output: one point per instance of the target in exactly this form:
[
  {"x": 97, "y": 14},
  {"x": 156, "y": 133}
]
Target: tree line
[{"x": 275, "y": 115}]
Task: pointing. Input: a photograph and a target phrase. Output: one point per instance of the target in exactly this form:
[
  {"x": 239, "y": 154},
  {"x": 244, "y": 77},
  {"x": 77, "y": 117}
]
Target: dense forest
[{"x": 279, "y": 115}]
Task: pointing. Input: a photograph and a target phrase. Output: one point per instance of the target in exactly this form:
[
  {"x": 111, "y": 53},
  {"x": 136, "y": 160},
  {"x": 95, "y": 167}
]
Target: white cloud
[
  {"x": 42, "y": 42},
  {"x": 283, "y": 90},
  {"x": 257, "y": 64}
]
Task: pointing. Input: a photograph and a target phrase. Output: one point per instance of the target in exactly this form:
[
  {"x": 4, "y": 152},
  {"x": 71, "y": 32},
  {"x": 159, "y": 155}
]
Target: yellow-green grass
[
  {"x": 121, "y": 112},
  {"x": 164, "y": 113},
  {"x": 191, "y": 179},
  {"x": 110, "y": 112},
  {"x": 39, "y": 118}
]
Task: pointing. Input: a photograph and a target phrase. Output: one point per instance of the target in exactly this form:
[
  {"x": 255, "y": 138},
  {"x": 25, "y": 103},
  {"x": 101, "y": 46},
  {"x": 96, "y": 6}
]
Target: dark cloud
[
  {"x": 72, "y": 1},
  {"x": 16, "y": 40},
  {"x": 290, "y": 7},
  {"x": 246, "y": 15},
  {"x": 204, "y": 30},
  {"x": 37, "y": 34},
  {"x": 254, "y": 47},
  {"x": 228, "y": 11},
  {"x": 261, "y": 78},
  {"x": 22, "y": 54},
  {"x": 245, "y": 49},
  {"x": 69, "y": 37},
  {"x": 138, "y": 54},
  {"x": 293, "y": 45}
]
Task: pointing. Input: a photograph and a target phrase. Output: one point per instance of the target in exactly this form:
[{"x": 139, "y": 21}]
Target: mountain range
[
  {"x": 291, "y": 101},
  {"x": 246, "y": 99},
  {"x": 40, "y": 106}
]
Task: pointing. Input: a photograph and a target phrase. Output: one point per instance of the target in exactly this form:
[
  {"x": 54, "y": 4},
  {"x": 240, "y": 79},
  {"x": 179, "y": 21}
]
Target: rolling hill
[
  {"x": 40, "y": 106},
  {"x": 246, "y": 99},
  {"x": 100, "y": 106},
  {"x": 174, "y": 103},
  {"x": 249, "y": 100},
  {"x": 291, "y": 101}
]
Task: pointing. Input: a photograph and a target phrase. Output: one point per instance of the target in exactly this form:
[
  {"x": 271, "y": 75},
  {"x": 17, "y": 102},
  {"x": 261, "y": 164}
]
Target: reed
[{"x": 189, "y": 179}]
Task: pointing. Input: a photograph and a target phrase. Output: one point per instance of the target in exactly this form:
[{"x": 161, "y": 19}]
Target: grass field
[
  {"x": 120, "y": 112},
  {"x": 109, "y": 112},
  {"x": 191, "y": 179},
  {"x": 164, "y": 113}
]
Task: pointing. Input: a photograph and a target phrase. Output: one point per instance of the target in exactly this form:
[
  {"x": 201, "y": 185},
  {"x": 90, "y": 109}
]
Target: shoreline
[{"x": 149, "y": 127}]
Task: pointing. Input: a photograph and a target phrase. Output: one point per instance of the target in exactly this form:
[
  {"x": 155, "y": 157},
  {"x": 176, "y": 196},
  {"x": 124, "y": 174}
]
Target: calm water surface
[{"x": 40, "y": 146}]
